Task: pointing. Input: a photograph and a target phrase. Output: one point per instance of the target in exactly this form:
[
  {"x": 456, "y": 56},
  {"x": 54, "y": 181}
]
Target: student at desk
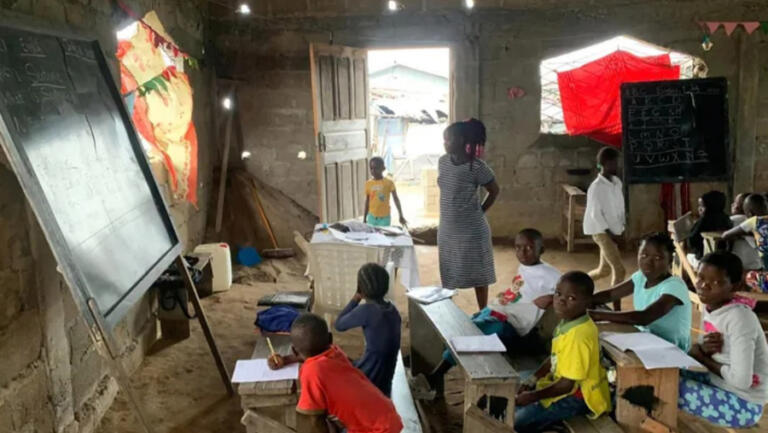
[
  {"x": 571, "y": 381},
  {"x": 734, "y": 350},
  {"x": 335, "y": 396},
  {"x": 661, "y": 301},
  {"x": 756, "y": 209}
]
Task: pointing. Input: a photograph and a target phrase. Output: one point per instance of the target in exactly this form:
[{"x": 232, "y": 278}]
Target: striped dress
[{"x": 464, "y": 237}]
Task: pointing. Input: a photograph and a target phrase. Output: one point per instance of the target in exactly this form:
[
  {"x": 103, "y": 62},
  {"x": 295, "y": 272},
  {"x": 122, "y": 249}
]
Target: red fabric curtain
[{"x": 590, "y": 95}]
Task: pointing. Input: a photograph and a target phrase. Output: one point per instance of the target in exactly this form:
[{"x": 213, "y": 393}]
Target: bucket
[{"x": 221, "y": 264}]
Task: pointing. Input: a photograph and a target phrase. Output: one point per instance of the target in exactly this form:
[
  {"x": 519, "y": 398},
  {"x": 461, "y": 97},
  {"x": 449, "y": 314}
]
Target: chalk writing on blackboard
[
  {"x": 675, "y": 130},
  {"x": 30, "y": 47}
]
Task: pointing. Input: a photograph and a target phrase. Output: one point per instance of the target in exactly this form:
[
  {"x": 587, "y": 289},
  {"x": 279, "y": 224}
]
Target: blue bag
[{"x": 276, "y": 319}]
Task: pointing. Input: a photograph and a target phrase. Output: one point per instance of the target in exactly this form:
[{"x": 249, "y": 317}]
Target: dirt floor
[{"x": 181, "y": 391}]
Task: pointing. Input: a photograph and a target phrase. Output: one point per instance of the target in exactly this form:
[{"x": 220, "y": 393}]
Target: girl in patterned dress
[{"x": 734, "y": 350}]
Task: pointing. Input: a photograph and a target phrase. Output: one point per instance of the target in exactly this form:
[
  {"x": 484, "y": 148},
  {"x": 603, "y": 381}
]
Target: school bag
[{"x": 276, "y": 319}]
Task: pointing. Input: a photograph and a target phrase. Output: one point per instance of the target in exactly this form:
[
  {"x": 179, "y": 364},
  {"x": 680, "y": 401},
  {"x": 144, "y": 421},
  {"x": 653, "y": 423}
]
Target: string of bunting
[{"x": 731, "y": 26}]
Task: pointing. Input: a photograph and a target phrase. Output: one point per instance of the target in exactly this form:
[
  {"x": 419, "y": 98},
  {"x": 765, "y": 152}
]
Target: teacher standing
[{"x": 464, "y": 236}]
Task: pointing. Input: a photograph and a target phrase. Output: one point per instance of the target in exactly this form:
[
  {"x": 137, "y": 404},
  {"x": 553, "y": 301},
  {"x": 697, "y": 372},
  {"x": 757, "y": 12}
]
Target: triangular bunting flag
[
  {"x": 764, "y": 25},
  {"x": 730, "y": 27},
  {"x": 713, "y": 26},
  {"x": 750, "y": 27}
]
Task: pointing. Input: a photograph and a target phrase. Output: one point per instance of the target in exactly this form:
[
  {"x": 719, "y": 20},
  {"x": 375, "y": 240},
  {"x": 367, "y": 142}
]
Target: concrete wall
[
  {"x": 499, "y": 45},
  {"x": 52, "y": 378}
]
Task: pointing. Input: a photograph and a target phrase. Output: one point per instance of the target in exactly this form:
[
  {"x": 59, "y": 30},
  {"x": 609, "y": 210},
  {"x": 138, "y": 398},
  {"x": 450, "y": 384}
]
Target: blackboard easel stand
[{"x": 116, "y": 368}]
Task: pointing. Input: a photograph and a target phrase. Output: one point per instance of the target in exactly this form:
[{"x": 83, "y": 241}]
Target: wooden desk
[
  {"x": 269, "y": 406},
  {"x": 432, "y": 327},
  {"x": 574, "y": 204},
  {"x": 630, "y": 373}
]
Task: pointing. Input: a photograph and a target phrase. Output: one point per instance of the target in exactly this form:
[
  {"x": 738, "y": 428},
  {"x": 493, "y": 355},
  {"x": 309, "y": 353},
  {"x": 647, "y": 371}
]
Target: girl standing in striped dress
[{"x": 464, "y": 236}]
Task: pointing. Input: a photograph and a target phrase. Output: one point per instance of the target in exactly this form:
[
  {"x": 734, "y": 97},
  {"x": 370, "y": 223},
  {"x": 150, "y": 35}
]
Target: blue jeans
[
  {"x": 488, "y": 325},
  {"x": 535, "y": 417}
]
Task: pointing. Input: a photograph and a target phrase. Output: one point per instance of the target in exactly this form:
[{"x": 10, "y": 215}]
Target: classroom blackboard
[
  {"x": 675, "y": 131},
  {"x": 72, "y": 145}
]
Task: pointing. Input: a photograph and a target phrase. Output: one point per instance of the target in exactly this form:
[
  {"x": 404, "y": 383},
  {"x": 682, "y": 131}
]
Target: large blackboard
[
  {"x": 73, "y": 147},
  {"x": 675, "y": 131}
]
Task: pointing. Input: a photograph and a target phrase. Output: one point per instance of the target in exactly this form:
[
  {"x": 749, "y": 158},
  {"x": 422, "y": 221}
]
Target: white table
[{"x": 401, "y": 252}]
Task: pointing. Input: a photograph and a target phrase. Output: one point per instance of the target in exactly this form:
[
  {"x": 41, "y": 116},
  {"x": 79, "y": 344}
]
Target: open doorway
[{"x": 409, "y": 109}]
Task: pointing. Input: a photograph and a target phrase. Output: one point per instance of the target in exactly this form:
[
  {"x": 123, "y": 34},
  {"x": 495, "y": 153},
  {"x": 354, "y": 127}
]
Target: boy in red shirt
[{"x": 333, "y": 391}]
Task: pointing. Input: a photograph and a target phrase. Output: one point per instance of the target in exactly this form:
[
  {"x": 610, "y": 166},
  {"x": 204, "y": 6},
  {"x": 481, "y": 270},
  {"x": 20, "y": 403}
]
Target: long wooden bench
[
  {"x": 431, "y": 329},
  {"x": 403, "y": 399}
]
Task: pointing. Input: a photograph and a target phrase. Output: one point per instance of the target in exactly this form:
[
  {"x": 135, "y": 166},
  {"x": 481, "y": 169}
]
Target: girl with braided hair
[
  {"x": 464, "y": 236},
  {"x": 380, "y": 321}
]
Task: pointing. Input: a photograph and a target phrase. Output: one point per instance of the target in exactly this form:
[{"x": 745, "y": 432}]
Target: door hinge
[{"x": 321, "y": 142}]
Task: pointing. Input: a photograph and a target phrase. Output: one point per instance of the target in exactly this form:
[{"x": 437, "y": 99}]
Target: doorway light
[
  {"x": 469, "y": 3},
  {"x": 244, "y": 9},
  {"x": 245, "y": 155},
  {"x": 226, "y": 103},
  {"x": 392, "y": 5}
]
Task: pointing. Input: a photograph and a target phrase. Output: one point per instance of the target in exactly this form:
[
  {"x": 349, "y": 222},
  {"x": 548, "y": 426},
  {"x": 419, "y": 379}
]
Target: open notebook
[
  {"x": 683, "y": 226},
  {"x": 653, "y": 351}
]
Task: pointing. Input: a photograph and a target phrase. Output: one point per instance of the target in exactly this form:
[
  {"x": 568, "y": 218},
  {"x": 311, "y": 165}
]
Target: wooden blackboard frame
[
  {"x": 40, "y": 206},
  {"x": 635, "y": 180}
]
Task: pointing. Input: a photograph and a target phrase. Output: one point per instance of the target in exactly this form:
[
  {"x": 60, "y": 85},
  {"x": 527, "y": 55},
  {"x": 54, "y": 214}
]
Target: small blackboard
[
  {"x": 675, "y": 131},
  {"x": 72, "y": 145}
]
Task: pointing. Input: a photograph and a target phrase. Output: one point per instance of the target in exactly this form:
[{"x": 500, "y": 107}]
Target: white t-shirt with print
[{"x": 531, "y": 282}]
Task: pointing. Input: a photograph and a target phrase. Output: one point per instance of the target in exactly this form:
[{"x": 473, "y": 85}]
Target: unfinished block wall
[
  {"x": 499, "y": 45},
  {"x": 52, "y": 378}
]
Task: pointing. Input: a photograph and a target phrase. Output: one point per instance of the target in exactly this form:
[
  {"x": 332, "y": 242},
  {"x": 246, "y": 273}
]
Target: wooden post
[
  {"x": 225, "y": 163},
  {"x": 182, "y": 266}
]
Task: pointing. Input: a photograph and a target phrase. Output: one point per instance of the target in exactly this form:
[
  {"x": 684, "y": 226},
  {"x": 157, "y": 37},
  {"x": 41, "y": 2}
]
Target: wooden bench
[
  {"x": 431, "y": 329},
  {"x": 630, "y": 373},
  {"x": 269, "y": 406},
  {"x": 403, "y": 399},
  {"x": 574, "y": 205}
]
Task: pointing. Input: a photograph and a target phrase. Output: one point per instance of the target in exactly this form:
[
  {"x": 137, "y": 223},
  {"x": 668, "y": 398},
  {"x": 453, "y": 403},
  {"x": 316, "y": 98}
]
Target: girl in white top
[{"x": 734, "y": 350}]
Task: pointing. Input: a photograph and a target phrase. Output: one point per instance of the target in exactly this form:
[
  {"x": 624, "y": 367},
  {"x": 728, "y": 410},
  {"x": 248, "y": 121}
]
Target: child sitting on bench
[
  {"x": 572, "y": 381},
  {"x": 661, "y": 301},
  {"x": 514, "y": 312},
  {"x": 333, "y": 391},
  {"x": 734, "y": 350},
  {"x": 380, "y": 321}
]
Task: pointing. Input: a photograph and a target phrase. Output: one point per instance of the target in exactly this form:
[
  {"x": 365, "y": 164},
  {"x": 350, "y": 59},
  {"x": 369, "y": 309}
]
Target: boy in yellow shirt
[
  {"x": 377, "y": 192},
  {"x": 571, "y": 382}
]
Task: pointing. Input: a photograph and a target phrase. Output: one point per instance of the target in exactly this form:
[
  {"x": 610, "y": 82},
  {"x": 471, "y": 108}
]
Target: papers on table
[
  {"x": 429, "y": 295},
  {"x": 361, "y": 238},
  {"x": 257, "y": 370},
  {"x": 653, "y": 351},
  {"x": 478, "y": 344}
]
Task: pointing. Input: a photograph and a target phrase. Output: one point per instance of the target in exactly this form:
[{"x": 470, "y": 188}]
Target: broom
[{"x": 276, "y": 252}]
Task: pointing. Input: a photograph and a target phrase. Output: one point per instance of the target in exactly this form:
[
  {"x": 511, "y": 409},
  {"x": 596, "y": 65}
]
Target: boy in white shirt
[
  {"x": 604, "y": 217},
  {"x": 513, "y": 313}
]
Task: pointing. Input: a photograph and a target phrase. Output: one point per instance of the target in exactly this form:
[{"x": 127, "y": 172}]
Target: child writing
[
  {"x": 744, "y": 247},
  {"x": 734, "y": 350},
  {"x": 661, "y": 301},
  {"x": 604, "y": 217},
  {"x": 381, "y": 326},
  {"x": 331, "y": 387},
  {"x": 712, "y": 218},
  {"x": 514, "y": 312},
  {"x": 377, "y": 192},
  {"x": 571, "y": 382}
]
